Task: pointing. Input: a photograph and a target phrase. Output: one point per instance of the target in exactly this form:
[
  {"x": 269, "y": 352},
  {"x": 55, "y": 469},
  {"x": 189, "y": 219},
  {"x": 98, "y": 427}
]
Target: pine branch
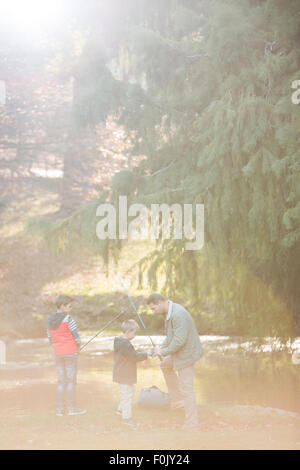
[{"x": 162, "y": 169}]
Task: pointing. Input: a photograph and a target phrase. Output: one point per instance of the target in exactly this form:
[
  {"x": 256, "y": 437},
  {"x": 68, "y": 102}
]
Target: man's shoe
[
  {"x": 75, "y": 411},
  {"x": 175, "y": 405},
  {"x": 118, "y": 413}
]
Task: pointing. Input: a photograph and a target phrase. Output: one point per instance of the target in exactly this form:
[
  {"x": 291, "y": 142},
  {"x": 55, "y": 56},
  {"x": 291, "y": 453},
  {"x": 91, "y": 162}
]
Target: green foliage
[
  {"x": 76, "y": 232},
  {"x": 125, "y": 182},
  {"x": 208, "y": 86}
]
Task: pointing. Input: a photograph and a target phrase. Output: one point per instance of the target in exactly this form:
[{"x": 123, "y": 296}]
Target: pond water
[{"x": 233, "y": 371}]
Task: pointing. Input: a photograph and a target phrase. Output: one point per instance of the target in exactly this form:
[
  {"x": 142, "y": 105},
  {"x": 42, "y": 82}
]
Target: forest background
[{"x": 164, "y": 102}]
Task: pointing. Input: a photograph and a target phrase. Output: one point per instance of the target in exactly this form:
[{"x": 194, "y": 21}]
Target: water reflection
[{"x": 233, "y": 371}]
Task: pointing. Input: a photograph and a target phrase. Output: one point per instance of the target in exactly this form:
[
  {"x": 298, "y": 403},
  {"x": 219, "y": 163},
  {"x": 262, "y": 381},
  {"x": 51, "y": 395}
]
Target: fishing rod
[
  {"x": 135, "y": 310},
  {"x": 107, "y": 324}
]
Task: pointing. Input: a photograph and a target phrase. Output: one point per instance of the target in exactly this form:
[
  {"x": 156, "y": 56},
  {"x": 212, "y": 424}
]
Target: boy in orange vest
[{"x": 63, "y": 336}]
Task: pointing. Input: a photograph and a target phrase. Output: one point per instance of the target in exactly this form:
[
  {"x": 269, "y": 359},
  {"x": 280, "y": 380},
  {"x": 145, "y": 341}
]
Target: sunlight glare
[{"x": 31, "y": 17}]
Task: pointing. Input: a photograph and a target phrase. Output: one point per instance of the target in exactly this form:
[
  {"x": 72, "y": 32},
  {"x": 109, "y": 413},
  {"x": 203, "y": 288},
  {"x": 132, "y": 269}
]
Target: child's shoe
[
  {"x": 131, "y": 423},
  {"x": 75, "y": 411}
]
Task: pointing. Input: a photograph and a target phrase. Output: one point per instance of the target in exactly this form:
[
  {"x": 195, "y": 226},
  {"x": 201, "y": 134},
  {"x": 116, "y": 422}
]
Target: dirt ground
[{"x": 28, "y": 421}]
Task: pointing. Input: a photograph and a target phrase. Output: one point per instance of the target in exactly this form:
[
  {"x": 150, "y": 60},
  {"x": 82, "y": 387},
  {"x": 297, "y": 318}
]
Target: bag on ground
[{"x": 153, "y": 397}]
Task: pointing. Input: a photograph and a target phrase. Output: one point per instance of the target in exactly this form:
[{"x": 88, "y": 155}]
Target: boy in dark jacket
[
  {"x": 124, "y": 370},
  {"x": 63, "y": 336}
]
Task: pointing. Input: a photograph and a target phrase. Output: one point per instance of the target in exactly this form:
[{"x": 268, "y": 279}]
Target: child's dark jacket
[{"x": 125, "y": 359}]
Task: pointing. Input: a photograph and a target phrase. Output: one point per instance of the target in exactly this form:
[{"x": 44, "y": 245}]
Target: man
[
  {"x": 63, "y": 336},
  {"x": 180, "y": 350}
]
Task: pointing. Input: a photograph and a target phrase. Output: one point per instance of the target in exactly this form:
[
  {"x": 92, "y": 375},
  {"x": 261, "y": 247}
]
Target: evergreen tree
[{"x": 206, "y": 86}]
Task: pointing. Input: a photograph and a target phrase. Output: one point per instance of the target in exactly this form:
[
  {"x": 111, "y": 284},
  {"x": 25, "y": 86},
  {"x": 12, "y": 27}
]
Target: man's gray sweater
[{"x": 182, "y": 341}]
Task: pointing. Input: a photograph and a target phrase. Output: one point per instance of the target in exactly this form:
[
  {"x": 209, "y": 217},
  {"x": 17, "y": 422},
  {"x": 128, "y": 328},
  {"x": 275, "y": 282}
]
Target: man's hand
[{"x": 157, "y": 351}]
